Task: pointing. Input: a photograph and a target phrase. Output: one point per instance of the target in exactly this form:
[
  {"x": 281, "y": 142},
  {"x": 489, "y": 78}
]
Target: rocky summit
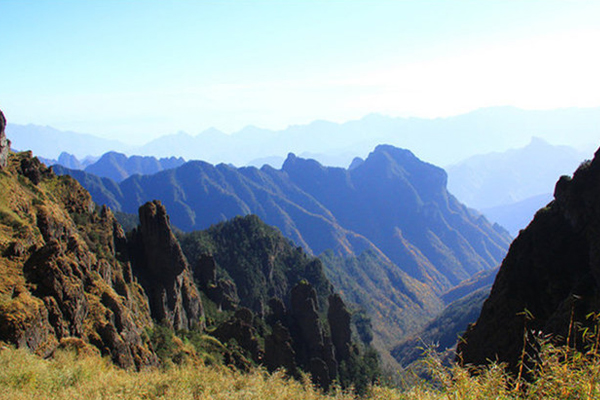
[{"x": 549, "y": 283}]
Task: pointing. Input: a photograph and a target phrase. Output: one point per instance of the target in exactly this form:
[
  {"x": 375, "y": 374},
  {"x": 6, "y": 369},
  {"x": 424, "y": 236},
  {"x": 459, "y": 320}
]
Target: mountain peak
[
  {"x": 427, "y": 178},
  {"x": 397, "y": 152},
  {"x": 293, "y": 163}
]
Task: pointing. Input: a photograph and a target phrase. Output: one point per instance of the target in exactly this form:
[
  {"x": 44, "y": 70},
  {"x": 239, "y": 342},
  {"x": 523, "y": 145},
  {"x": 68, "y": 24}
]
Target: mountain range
[
  {"x": 390, "y": 235},
  {"x": 116, "y": 166},
  {"x": 392, "y": 202},
  {"x": 443, "y": 141},
  {"x": 508, "y": 187},
  {"x": 502, "y": 178},
  {"x": 71, "y": 279}
]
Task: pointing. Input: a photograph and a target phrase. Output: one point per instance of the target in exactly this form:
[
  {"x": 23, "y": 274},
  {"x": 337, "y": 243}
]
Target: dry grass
[
  {"x": 24, "y": 376},
  {"x": 562, "y": 374}
]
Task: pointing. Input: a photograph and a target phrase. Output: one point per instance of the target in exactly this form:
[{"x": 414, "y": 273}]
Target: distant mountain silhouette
[
  {"x": 499, "y": 179},
  {"x": 118, "y": 167},
  {"x": 49, "y": 142},
  {"x": 443, "y": 141},
  {"x": 517, "y": 216}
]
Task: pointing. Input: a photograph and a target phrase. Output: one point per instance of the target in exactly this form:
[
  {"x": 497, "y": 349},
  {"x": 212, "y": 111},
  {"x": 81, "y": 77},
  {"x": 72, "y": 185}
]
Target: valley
[{"x": 351, "y": 273}]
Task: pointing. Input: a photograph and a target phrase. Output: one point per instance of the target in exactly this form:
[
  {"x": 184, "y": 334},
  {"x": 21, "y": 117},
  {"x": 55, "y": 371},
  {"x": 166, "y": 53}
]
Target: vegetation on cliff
[
  {"x": 62, "y": 271},
  {"x": 549, "y": 281},
  {"x": 71, "y": 278}
]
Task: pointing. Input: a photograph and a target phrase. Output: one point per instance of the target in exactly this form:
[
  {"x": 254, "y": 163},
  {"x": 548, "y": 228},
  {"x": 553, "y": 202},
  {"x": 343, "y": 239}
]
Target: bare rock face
[
  {"x": 552, "y": 270},
  {"x": 4, "y": 142},
  {"x": 163, "y": 270},
  {"x": 239, "y": 327},
  {"x": 279, "y": 351},
  {"x": 314, "y": 349},
  {"x": 60, "y": 278},
  {"x": 339, "y": 319}
]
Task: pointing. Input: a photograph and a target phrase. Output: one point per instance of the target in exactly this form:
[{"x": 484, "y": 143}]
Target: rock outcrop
[
  {"x": 163, "y": 270},
  {"x": 314, "y": 349},
  {"x": 339, "y": 319},
  {"x": 62, "y": 279},
  {"x": 552, "y": 271},
  {"x": 4, "y": 142}
]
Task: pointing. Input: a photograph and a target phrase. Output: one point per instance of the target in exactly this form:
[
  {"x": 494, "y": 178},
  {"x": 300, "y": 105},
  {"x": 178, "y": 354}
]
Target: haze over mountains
[
  {"x": 443, "y": 141},
  {"x": 395, "y": 239},
  {"x": 508, "y": 187}
]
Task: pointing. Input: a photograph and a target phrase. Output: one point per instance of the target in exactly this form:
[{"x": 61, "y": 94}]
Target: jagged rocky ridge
[
  {"x": 389, "y": 221},
  {"x": 392, "y": 202},
  {"x": 552, "y": 271},
  {"x": 71, "y": 278}
]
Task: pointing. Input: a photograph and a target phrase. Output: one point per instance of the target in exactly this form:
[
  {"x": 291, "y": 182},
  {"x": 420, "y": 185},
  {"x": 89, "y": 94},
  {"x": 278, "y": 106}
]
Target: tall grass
[{"x": 562, "y": 373}]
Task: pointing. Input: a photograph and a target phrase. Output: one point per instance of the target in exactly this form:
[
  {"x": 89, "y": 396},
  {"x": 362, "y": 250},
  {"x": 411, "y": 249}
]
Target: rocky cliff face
[
  {"x": 552, "y": 270},
  {"x": 164, "y": 271},
  {"x": 63, "y": 279},
  {"x": 4, "y": 142},
  {"x": 314, "y": 349}
]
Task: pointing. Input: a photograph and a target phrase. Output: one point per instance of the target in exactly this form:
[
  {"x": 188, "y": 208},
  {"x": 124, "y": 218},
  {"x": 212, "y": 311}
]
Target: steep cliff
[
  {"x": 163, "y": 270},
  {"x": 63, "y": 277},
  {"x": 552, "y": 271}
]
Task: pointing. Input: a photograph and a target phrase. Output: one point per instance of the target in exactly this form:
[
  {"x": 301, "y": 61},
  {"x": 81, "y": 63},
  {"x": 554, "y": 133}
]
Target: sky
[{"x": 136, "y": 70}]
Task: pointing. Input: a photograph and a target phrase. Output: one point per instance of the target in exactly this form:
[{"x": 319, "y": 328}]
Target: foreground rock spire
[
  {"x": 4, "y": 142},
  {"x": 163, "y": 270}
]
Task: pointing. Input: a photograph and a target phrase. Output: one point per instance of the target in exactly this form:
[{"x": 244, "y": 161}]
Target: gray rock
[{"x": 4, "y": 142}]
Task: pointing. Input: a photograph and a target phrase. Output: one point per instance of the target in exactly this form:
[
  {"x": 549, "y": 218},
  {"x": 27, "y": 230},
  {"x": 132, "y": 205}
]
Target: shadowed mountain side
[
  {"x": 551, "y": 271},
  {"x": 401, "y": 205},
  {"x": 395, "y": 303},
  {"x": 392, "y": 202},
  {"x": 443, "y": 333}
]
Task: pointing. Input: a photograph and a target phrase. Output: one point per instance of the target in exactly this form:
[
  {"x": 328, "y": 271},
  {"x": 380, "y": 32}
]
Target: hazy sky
[{"x": 134, "y": 70}]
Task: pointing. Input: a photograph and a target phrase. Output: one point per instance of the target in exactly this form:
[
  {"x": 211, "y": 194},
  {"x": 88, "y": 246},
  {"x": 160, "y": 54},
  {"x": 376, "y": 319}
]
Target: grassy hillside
[{"x": 563, "y": 374}]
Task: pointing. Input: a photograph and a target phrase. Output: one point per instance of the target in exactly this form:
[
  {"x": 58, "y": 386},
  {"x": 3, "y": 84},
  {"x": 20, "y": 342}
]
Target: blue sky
[{"x": 134, "y": 70}]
